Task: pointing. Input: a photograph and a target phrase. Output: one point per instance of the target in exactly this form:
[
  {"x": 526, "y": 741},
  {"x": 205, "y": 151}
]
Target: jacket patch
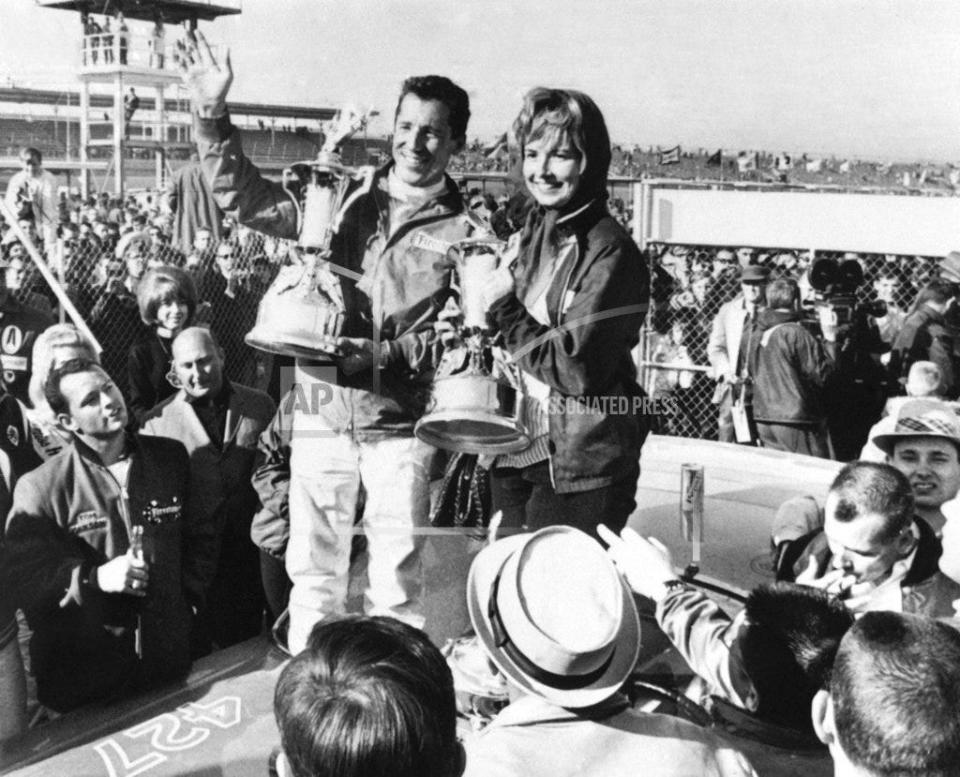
[
  {"x": 88, "y": 521},
  {"x": 156, "y": 513},
  {"x": 431, "y": 243}
]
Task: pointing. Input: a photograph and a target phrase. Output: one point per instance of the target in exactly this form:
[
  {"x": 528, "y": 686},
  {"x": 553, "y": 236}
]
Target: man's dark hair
[
  {"x": 368, "y": 697},
  {"x": 937, "y": 291},
  {"x": 443, "y": 90},
  {"x": 51, "y": 389},
  {"x": 895, "y": 688},
  {"x": 788, "y": 645},
  {"x": 28, "y": 152},
  {"x": 782, "y": 293},
  {"x": 863, "y": 487}
]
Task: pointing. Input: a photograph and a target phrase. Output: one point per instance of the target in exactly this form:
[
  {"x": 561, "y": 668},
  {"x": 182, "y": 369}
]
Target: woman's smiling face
[{"x": 552, "y": 169}]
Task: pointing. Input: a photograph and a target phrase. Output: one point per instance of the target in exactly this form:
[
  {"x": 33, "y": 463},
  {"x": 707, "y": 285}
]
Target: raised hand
[
  {"x": 645, "y": 563},
  {"x": 207, "y": 80}
]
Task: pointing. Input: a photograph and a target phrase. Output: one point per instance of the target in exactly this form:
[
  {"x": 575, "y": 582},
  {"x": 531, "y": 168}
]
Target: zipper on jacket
[{"x": 575, "y": 256}]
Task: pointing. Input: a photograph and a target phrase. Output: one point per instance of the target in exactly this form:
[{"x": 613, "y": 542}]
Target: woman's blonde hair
[
  {"x": 43, "y": 358},
  {"x": 548, "y": 112}
]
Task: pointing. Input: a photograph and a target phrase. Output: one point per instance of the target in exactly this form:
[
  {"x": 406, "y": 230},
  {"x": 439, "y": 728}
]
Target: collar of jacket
[
  {"x": 84, "y": 451},
  {"x": 928, "y": 314},
  {"x": 582, "y": 220},
  {"x": 771, "y": 318},
  {"x": 531, "y": 709},
  {"x": 928, "y": 553},
  {"x": 450, "y": 202}
]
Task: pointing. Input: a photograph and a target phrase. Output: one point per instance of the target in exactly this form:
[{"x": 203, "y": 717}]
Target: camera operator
[
  {"x": 790, "y": 368},
  {"x": 856, "y": 392}
]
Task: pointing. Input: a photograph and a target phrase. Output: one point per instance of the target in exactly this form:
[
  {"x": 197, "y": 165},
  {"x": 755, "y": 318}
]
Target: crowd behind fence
[
  {"x": 690, "y": 283},
  {"x": 688, "y": 286}
]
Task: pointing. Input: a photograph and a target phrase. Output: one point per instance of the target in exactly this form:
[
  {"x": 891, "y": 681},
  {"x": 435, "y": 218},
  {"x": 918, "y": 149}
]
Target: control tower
[{"x": 126, "y": 48}]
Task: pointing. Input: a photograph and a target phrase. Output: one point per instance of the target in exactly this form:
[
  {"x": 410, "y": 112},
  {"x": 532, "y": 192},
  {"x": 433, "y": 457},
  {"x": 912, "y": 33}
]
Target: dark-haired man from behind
[
  {"x": 368, "y": 696},
  {"x": 873, "y": 552},
  {"x": 790, "y": 367},
  {"x": 893, "y": 704},
  {"x": 107, "y": 620},
  {"x": 391, "y": 253}
]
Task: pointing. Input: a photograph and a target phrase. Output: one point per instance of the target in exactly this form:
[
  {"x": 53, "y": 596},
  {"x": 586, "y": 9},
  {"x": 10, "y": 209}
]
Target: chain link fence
[
  {"x": 230, "y": 275},
  {"x": 690, "y": 283}
]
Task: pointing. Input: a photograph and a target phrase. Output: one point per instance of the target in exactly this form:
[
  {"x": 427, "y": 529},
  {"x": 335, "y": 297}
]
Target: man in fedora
[
  {"x": 558, "y": 622},
  {"x": 729, "y": 345},
  {"x": 873, "y": 551}
]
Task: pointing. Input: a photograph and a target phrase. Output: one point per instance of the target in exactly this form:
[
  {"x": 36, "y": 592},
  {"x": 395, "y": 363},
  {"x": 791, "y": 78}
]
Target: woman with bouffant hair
[
  {"x": 167, "y": 298},
  {"x": 569, "y": 299}
]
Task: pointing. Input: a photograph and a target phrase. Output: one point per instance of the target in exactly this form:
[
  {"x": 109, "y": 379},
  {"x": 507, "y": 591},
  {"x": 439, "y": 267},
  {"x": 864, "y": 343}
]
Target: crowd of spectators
[
  {"x": 169, "y": 306},
  {"x": 692, "y": 284}
]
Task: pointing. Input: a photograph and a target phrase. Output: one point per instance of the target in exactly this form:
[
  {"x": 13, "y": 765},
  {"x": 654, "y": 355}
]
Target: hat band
[{"x": 502, "y": 640}]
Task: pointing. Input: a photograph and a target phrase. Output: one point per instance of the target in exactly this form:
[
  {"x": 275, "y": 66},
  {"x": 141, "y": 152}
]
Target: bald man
[{"x": 219, "y": 422}]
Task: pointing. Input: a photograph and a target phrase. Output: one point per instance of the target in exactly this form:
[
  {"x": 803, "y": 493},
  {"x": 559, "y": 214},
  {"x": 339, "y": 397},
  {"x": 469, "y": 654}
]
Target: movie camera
[{"x": 836, "y": 284}]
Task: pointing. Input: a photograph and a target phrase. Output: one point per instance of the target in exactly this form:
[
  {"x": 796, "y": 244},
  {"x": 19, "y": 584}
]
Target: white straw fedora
[
  {"x": 554, "y": 615},
  {"x": 925, "y": 417}
]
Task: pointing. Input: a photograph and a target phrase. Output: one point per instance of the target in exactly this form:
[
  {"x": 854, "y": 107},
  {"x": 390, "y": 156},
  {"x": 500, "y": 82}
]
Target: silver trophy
[
  {"x": 302, "y": 313},
  {"x": 477, "y": 401}
]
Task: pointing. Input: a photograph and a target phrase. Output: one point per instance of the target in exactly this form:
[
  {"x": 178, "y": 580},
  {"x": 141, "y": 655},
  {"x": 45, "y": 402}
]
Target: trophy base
[
  {"x": 476, "y": 432},
  {"x": 315, "y": 349},
  {"x": 473, "y": 413}
]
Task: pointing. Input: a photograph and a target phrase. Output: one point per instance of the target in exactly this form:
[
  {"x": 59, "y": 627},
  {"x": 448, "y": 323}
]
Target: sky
[{"x": 875, "y": 79}]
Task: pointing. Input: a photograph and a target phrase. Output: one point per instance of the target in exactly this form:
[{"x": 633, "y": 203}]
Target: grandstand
[{"x": 49, "y": 120}]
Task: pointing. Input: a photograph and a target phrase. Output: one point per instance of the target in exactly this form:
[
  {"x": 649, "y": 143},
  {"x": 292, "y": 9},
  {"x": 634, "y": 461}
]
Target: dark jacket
[
  {"x": 68, "y": 518},
  {"x": 925, "y": 589},
  {"x": 925, "y": 336},
  {"x": 403, "y": 276},
  {"x": 270, "y": 530},
  {"x": 221, "y": 492},
  {"x": 16, "y": 445},
  {"x": 596, "y": 306},
  {"x": 789, "y": 367},
  {"x": 147, "y": 366},
  {"x": 192, "y": 205},
  {"x": 19, "y": 327}
]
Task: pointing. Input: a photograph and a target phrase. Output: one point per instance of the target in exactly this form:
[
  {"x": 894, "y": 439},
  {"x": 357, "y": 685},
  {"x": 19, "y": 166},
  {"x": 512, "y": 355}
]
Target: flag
[
  {"x": 671, "y": 156},
  {"x": 845, "y": 166},
  {"x": 814, "y": 165},
  {"x": 716, "y": 159},
  {"x": 746, "y": 162},
  {"x": 496, "y": 147}
]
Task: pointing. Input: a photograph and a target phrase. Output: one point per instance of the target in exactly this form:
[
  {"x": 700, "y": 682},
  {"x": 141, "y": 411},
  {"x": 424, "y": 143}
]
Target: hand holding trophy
[{"x": 476, "y": 405}]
